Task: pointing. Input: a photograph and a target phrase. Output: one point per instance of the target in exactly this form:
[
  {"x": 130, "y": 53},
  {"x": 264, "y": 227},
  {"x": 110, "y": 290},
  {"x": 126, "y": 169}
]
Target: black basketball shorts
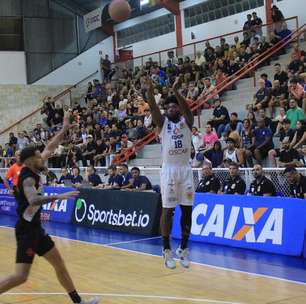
[{"x": 31, "y": 239}]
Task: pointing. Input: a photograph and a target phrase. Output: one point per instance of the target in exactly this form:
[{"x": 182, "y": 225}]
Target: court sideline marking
[
  {"x": 124, "y": 296},
  {"x": 159, "y": 256}
]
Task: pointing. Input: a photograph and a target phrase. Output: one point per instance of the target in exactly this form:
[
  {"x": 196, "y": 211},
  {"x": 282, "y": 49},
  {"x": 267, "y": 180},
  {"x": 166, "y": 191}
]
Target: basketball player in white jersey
[{"x": 176, "y": 173}]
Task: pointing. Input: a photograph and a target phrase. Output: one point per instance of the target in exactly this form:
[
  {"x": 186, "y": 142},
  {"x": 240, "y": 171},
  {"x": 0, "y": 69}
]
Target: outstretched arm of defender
[
  {"x": 35, "y": 199},
  {"x": 183, "y": 104},
  {"x": 157, "y": 117},
  {"x": 57, "y": 139}
]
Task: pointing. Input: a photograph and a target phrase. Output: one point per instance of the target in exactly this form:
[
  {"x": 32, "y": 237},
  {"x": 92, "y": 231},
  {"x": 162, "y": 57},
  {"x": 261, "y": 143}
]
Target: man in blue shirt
[
  {"x": 115, "y": 180},
  {"x": 65, "y": 176},
  {"x": 93, "y": 178},
  {"x": 126, "y": 175},
  {"x": 140, "y": 182},
  {"x": 263, "y": 141}
]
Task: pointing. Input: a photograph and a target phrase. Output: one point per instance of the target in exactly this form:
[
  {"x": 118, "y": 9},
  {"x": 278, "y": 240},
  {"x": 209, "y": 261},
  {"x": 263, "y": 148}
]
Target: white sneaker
[
  {"x": 168, "y": 258},
  {"x": 183, "y": 254},
  {"x": 91, "y": 301}
]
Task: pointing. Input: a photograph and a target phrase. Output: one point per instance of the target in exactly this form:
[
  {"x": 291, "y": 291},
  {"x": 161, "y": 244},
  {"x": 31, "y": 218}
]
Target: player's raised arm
[
  {"x": 36, "y": 199},
  {"x": 157, "y": 117},
  {"x": 58, "y": 138},
  {"x": 183, "y": 104}
]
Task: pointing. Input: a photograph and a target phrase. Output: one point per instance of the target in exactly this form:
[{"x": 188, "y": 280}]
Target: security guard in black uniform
[
  {"x": 209, "y": 182},
  {"x": 261, "y": 185},
  {"x": 234, "y": 184},
  {"x": 297, "y": 183}
]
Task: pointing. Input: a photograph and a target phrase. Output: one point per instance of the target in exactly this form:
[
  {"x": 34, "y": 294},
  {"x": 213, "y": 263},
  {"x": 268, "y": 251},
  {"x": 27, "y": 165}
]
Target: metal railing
[
  {"x": 192, "y": 48},
  {"x": 274, "y": 174}
]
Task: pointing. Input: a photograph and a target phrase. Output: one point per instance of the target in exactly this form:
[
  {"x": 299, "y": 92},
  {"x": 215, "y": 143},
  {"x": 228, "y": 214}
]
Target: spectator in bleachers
[
  {"x": 262, "y": 96},
  {"x": 139, "y": 182},
  {"x": 232, "y": 154},
  {"x": 209, "y": 137},
  {"x": 13, "y": 139},
  {"x": 296, "y": 66},
  {"x": 22, "y": 141},
  {"x": 297, "y": 183},
  {"x": 296, "y": 91},
  {"x": 147, "y": 120},
  {"x": 288, "y": 157},
  {"x": 256, "y": 24},
  {"x": 65, "y": 176},
  {"x": 220, "y": 117},
  {"x": 127, "y": 176},
  {"x": 215, "y": 155},
  {"x": 209, "y": 92},
  {"x": 248, "y": 24},
  {"x": 263, "y": 141},
  {"x": 106, "y": 68},
  {"x": 267, "y": 120},
  {"x": 294, "y": 113},
  {"x": 279, "y": 94},
  {"x": 281, "y": 75},
  {"x": 196, "y": 138},
  {"x": 286, "y": 131},
  {"x": 209, "y": 182},
  {"x": 247, "y": 142},
  {"x": 89, "y": 151},
  {"x": 115, "y": 180},
  {"x": 299, "y": 138},
  {"x": 234, "y": 184},
  {"x": 92, "y": 177},
  {"x": 261, "y": 185},
  {"x": 303, "y": 156},
  {"x": 48, "y": 109},
  {"x": 76, "y": 179},
  {"x": 233, "y": 122},
  {"x": 268, "y": 83}
]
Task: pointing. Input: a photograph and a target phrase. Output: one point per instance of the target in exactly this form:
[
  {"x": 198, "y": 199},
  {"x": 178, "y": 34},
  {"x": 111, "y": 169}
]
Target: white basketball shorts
[{"x": 176, "y": 186}]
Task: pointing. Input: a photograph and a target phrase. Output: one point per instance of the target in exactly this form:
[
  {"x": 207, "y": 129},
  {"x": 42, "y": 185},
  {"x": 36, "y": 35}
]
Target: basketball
[{"x": 119, "y": 10}]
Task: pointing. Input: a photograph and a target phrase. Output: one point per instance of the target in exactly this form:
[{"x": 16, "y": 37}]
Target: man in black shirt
[
  {"x": 209, "y": 182},
  {"x": 281, "y": 76},
  {"x": 234, "y": 184},
  {"x": 31, "y": 237},
  {"x": 90, "y": 151},
  {"x": 288, "y": 157},
  {"x": 220, "y": 117},
  {"x": 101, "y": 148},
  {"x": 297, "y": 183},
  {"x": 261, "y": 185}
]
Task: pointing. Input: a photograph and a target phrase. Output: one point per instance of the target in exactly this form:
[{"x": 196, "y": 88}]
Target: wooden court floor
[{"x": 129, "y": 278}]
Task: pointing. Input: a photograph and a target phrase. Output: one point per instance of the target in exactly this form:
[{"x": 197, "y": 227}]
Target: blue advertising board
[
  {"x": 56, "y": 211},
  {"x": 261, "y": 223}
]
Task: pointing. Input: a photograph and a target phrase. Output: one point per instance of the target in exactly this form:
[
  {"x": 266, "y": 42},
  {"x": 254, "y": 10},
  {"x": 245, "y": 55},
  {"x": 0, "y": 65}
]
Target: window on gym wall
[
  {"x": 147, "y": 30},
  {"x": 217, "y": 9}
]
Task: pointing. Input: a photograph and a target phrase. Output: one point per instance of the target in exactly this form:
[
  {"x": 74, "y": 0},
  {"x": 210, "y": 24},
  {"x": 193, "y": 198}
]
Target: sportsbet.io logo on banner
[
  {"x": 80, "y": 210},
  {"x": 115, "y": 210},
  {"x": 95, "y": 216}
]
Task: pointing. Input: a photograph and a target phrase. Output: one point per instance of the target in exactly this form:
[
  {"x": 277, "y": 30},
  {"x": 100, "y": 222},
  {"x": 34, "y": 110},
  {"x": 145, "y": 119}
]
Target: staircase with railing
[{"x": 248, "y": 69}]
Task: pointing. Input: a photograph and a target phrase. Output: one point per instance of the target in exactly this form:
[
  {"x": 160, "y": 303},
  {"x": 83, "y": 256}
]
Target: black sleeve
[
  {"x": 268, "y": 187},
  {"x": 304, "y": 186},
  {"x": 241, "y": 186},
  {"x": 215, "y": 185}
]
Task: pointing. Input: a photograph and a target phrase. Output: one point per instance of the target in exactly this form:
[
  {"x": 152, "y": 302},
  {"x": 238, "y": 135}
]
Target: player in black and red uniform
[{"x": 30, "y": 236}]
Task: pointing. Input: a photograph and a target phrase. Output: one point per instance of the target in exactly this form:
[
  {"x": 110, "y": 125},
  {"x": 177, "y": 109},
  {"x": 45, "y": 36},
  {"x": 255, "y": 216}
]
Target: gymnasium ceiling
[{"x": 82, "y": 7}]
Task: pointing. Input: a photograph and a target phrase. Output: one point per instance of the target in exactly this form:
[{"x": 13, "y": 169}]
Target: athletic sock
[
  {"x": 184, "y": 242},
  {"x": 166, "y": 242},
  {"x": 74, "y": 296}
]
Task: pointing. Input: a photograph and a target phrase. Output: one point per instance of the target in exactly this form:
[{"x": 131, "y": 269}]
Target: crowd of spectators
[{"x": 114, "y": 113}]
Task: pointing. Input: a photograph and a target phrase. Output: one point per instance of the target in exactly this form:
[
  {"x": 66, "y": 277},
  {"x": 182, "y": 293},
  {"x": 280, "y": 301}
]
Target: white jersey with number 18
[{"x": 176, "y": 143}]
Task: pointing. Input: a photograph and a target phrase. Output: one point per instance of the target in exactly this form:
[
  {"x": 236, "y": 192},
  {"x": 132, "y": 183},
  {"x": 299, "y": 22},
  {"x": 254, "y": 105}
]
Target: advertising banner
[
  {"x": 133, "y": 212},
  {"x": 55, "y": 211},
  {"x": 93, "y": 20},
  {"x": 261, "y": 223},
  {"x": 8, "y": 203}
]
